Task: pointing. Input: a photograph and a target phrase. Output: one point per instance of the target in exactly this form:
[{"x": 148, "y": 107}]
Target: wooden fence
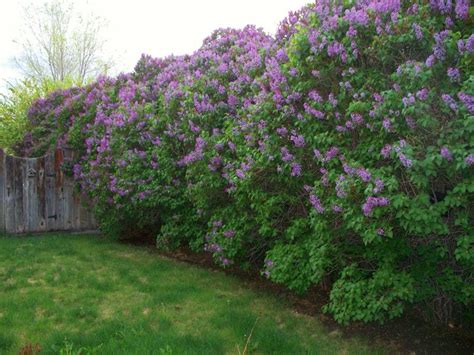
[{"x": 36, "y": 196}]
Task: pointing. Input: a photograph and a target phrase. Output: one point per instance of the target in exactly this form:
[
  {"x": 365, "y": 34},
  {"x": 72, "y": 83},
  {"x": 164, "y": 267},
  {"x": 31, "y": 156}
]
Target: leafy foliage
[
  {"x": 339, "y": 152},
  {"x": 14, "y": 106}
]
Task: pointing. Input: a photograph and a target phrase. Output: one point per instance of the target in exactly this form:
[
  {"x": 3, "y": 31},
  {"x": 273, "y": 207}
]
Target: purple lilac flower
[
  {"x": 467, "y": 100},
  {"x": 324, "y": 177},
  {"x": 439, "y": 50},
  {"x": 225, "y": 261},
  {"x": 295, "y": 169},
  {"x": 356, "y": 16},
  {"x": 406, "y": 162},
  {"x": 373, "y": 202},
  {"x": 430, "y": 61},
  {"x": 229, "y": 233},
  {"x": 282, "y": 131},
  {"x": 461, "y": 46},
  {"x": 445, "y": 153},
  {"x": 312, "y": 111},
  {"x": 348, "y": 169},
  {"x": 470, "y": 44},
  {"x": 418, "y": 32},
  {"x": 448, "y": 22},
  {"x": 298, "y": 140},
  {"x": 408, "y": 100},
  {"x": 453, "y": 74},
  {"x": 364, "y": 174},
  {"x": 379, "y": 186},
  {"x": 286, "y": 155},
  {"x": 335, "y": 48},
  {"x": 232, "y": 100},
  {"x": 317, "y": 154},
  {"x": 281, "y": 56},
  {"x": 469, "y": 160},
  {"x": 77, "y": 168},
  {"x": 316, "y": 203},
  {"x": 332, "y": 100},
  {"x": 156, "y": 141},
  {"x": 331, "y": 153},
  {"x": 462, "y": 9},
  {"x": 380, "y": 231},
  {"x": 443, "y": 6},
  {"x": 422, "y": 94},
  {"x": 240, "y": 174},
  {"x": 357, "y": 118},
  {"x": 314, "y": 95},
  {"x": 377, "y": 97},
  {"x": 448, "y": 100},
  {"x": 214, "y": 248},
  {"x": 336, "y": 208},
  {"x": 410, "y": 122},
  {"x": 194, "y": 128},
  {"x": 387, "y": 124},
  {"x": 394, "y": 17}
]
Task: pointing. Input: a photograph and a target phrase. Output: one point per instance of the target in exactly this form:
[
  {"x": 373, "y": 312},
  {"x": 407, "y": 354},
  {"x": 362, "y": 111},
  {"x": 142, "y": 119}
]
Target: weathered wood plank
[
  {"x": 50, "y": 193},
  {"x": 2, "y": 191},
  {"x": 37, "y": 196},
  {"x": 10, "y": 195},
  {"x": 40, "y": 181},
  {"x": 20, "y": 198},
  {"x": 59, "y": 192}
]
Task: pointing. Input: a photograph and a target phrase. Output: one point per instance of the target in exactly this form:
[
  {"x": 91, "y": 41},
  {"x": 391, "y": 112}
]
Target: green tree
[
  {"x": 60, "y": 42},
  {"x": 14, "y": 106}
]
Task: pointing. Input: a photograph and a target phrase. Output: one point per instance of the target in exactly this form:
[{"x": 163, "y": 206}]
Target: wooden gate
[{"x": 36, "y": 196}]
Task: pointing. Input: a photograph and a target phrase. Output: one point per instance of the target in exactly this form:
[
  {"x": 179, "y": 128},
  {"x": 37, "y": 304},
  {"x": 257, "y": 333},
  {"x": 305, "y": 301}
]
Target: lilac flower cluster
[{"x": 373, "y": 202}]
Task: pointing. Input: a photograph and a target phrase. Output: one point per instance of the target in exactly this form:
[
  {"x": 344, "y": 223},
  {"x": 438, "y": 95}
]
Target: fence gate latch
[{"x": 31, "y": 172}]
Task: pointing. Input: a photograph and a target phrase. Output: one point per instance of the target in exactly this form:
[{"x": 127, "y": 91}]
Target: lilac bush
[{"x": 337, "y": 153}]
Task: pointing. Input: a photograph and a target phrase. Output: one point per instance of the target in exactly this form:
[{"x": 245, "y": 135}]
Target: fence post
[{"x": 3, "y": 199}]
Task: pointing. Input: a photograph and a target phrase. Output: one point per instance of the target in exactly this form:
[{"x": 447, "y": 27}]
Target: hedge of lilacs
[{"x": 338, "y": 153}]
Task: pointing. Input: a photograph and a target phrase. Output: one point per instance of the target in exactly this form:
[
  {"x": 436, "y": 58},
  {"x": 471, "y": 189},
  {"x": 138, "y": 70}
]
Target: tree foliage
[
  {"x": 15, "y": 104},
  {"x": 59, "y": 43}
]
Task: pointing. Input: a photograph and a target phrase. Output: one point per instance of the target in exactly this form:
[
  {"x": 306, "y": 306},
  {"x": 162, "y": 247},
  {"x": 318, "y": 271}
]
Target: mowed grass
[{"x": 87, "y": 294}]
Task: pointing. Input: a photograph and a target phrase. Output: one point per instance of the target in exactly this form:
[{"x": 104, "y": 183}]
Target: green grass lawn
[{"x": 86, "y": 294}]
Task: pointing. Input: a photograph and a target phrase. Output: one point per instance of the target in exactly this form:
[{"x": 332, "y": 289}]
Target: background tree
[
  {"x": 61, "y": 47},
  {"x": 60, "y": 42},
  {"x": 15, "y": 103}
]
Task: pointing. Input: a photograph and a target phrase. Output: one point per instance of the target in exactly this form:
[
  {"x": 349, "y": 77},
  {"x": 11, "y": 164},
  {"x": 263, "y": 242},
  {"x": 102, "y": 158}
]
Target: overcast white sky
[{"x": 155, "y": 27}]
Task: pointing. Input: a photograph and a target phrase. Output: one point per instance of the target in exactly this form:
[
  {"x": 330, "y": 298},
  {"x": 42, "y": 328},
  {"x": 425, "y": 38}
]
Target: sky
[{"x": 155, "y": 27}]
